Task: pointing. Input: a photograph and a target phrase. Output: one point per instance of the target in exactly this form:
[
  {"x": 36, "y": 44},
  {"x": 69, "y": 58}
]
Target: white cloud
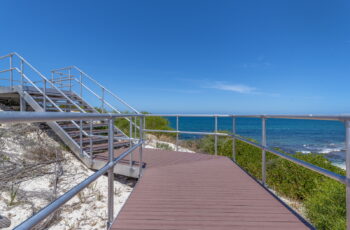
[{"x": 238, "y": 88}]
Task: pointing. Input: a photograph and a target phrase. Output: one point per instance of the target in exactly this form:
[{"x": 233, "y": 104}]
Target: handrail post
[
  {"x": 21, "y": 99},
  {"x": 102, "y": 100},
  {"x": 141, "y": 140},
  {"x": 130, "y": 130},
  {"x": 81, "y": 137},
  {"x": 177, "y": 133},
  {"x": 22, "y": 69},
  {"x": 216, "y": 136},
  {"x": 110, "y": 172},
  {"x": 11, "y": 72},
  {"x": 91, "y": 133},
  {"x": 70, "y": 81},
  {"x": 130, "y": 142},
  {"x": 233, "y": 139},
  {"x": 347, "y": 159},
  {"x": 44, "y": 91},
  {"x": 81, "y": 85},
  {"x": 135, "y": 127},
  {"x": 263, "y": 164}
]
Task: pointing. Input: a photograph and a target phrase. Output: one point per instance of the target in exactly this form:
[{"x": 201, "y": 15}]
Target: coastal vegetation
[{"x": 155, "y": 123}]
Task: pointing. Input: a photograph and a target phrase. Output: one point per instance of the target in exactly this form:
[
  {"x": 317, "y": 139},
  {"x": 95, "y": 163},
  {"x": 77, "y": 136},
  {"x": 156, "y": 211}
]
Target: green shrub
[{"x": 155, "y": 123}]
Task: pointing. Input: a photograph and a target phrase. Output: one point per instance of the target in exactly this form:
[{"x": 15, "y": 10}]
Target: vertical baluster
[
  {"x": 130, "y": 140},
  {"x": 216, "y": 136},
  {"x": 91, "y": 143},
  {"x": 142, "y": 119},
  {"x": 11, "y": 71},
  {"x": 130, "y": 130},
  {"x": 70, "y": 81},
  {"x": 135, "y": 127},
  {"x": 110, "y": 172},
  {"x": 69, "y": 89},
  {"x": 102, "y": 100},
  {"x": 81, "y": 84},
  {"x": 177, "y": 133},
  {"x": 21, "y": 99},
  {"x": 81, "y": 137},
  {"x": 44, "y": 91},
  {"x": 347, "y": 160},
  {"x": 263, "y": 165},
  {"x": 234, "y": 139}
]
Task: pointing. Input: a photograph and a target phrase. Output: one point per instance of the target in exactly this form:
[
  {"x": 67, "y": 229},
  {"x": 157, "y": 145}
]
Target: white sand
[
  {"x": 153, "y": 143},
  {"x": 88, "y": 210}
]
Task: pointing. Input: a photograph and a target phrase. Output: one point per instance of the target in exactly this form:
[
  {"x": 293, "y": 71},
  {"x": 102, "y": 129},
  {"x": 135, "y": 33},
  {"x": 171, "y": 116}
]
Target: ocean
[{"x": 305, "y": 136}]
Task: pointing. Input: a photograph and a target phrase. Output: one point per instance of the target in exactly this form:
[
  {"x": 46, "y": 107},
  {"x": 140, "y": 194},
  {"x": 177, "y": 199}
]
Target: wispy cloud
[{"x": 238, "y": 88}]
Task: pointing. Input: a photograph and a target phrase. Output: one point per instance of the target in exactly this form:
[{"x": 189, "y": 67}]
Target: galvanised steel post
[
  {"x": 234, "y": 139},
  {"x": 110, "y": 172},
  {"x": 22, "y": 78},
  {"x": 177, "y": 134},
  {"x": 135, "y": 128},
  {"x": 130, "y": 141},
  {"x": 70, "y": 81},
  {"x": 44, "y": 91},
  {"x": 91, "y": 153},
  {"x": 263, "y": 164},
  {"x": 11, "y": 72},
  {"x": 81, "y": 137},
  {"x": 216, "y": 136},
  {"x": 81, "y": 85},
  {"x": 102, "y": 100},
  {"x": 347, "y": 158},
  {"x": 21, "y": 100},
  {"x": 130, "y": 130},
  {"x": 140, "y": 141}
]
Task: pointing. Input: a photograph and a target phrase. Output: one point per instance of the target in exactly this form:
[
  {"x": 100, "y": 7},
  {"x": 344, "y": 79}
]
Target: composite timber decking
[{"x": 198, "y": 191}]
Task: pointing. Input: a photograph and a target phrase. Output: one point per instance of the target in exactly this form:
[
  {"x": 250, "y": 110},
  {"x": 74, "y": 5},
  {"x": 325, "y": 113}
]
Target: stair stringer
[{"x": 83, "y": 156}]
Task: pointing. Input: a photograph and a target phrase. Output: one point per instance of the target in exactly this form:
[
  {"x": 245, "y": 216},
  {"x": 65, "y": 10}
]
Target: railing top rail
[
  {"x": 306, "y": 117},
  {"x": 7, "y": 55},
  {"x": 16, "y": 117}
]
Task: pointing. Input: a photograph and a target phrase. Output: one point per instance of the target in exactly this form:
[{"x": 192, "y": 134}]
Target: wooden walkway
[{"x": 198, "y": 191}]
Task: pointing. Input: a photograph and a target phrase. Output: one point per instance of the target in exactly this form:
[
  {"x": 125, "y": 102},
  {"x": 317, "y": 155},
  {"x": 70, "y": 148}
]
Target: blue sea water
[{"x": 306, "y": 136}]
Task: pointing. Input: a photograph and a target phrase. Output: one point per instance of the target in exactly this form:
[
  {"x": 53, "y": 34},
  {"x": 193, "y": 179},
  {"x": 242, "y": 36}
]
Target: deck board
[{"x": 198, "y": 191}]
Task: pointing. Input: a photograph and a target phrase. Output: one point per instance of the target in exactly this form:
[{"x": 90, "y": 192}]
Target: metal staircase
[{"x": 86, "y": 138}]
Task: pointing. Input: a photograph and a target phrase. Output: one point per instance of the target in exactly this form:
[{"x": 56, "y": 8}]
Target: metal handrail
[
  {"x": 47, "y": 98},
  {"x": 97, "y": 83},
  {"x": 105, "y": 102},
  {"x": 21, "y": 117},
  {"x": 101, "y": 98}
]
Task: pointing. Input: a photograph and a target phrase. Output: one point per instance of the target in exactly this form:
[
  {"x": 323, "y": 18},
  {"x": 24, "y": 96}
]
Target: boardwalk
[{"x": 198, "y": 191}]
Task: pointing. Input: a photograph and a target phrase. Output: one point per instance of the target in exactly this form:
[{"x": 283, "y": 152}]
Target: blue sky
[{"x": 247, "y": 56}]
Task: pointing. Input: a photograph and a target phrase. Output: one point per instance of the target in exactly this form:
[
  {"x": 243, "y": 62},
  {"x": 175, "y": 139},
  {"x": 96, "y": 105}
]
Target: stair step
[
  {"x": 95, "y": 140},
  {"x": 85, "y": 126},
  {"x": 76, "y": 134},
  {"x": 104, "y": 147}
]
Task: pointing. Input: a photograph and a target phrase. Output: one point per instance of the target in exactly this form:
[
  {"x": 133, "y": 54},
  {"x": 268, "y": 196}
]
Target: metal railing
[
  {"x": 20, "y": 117},
  {"x": 263, "y": 146},
  {"x": 18, "y": 65},
  {"x": 71, "y": 76}
]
